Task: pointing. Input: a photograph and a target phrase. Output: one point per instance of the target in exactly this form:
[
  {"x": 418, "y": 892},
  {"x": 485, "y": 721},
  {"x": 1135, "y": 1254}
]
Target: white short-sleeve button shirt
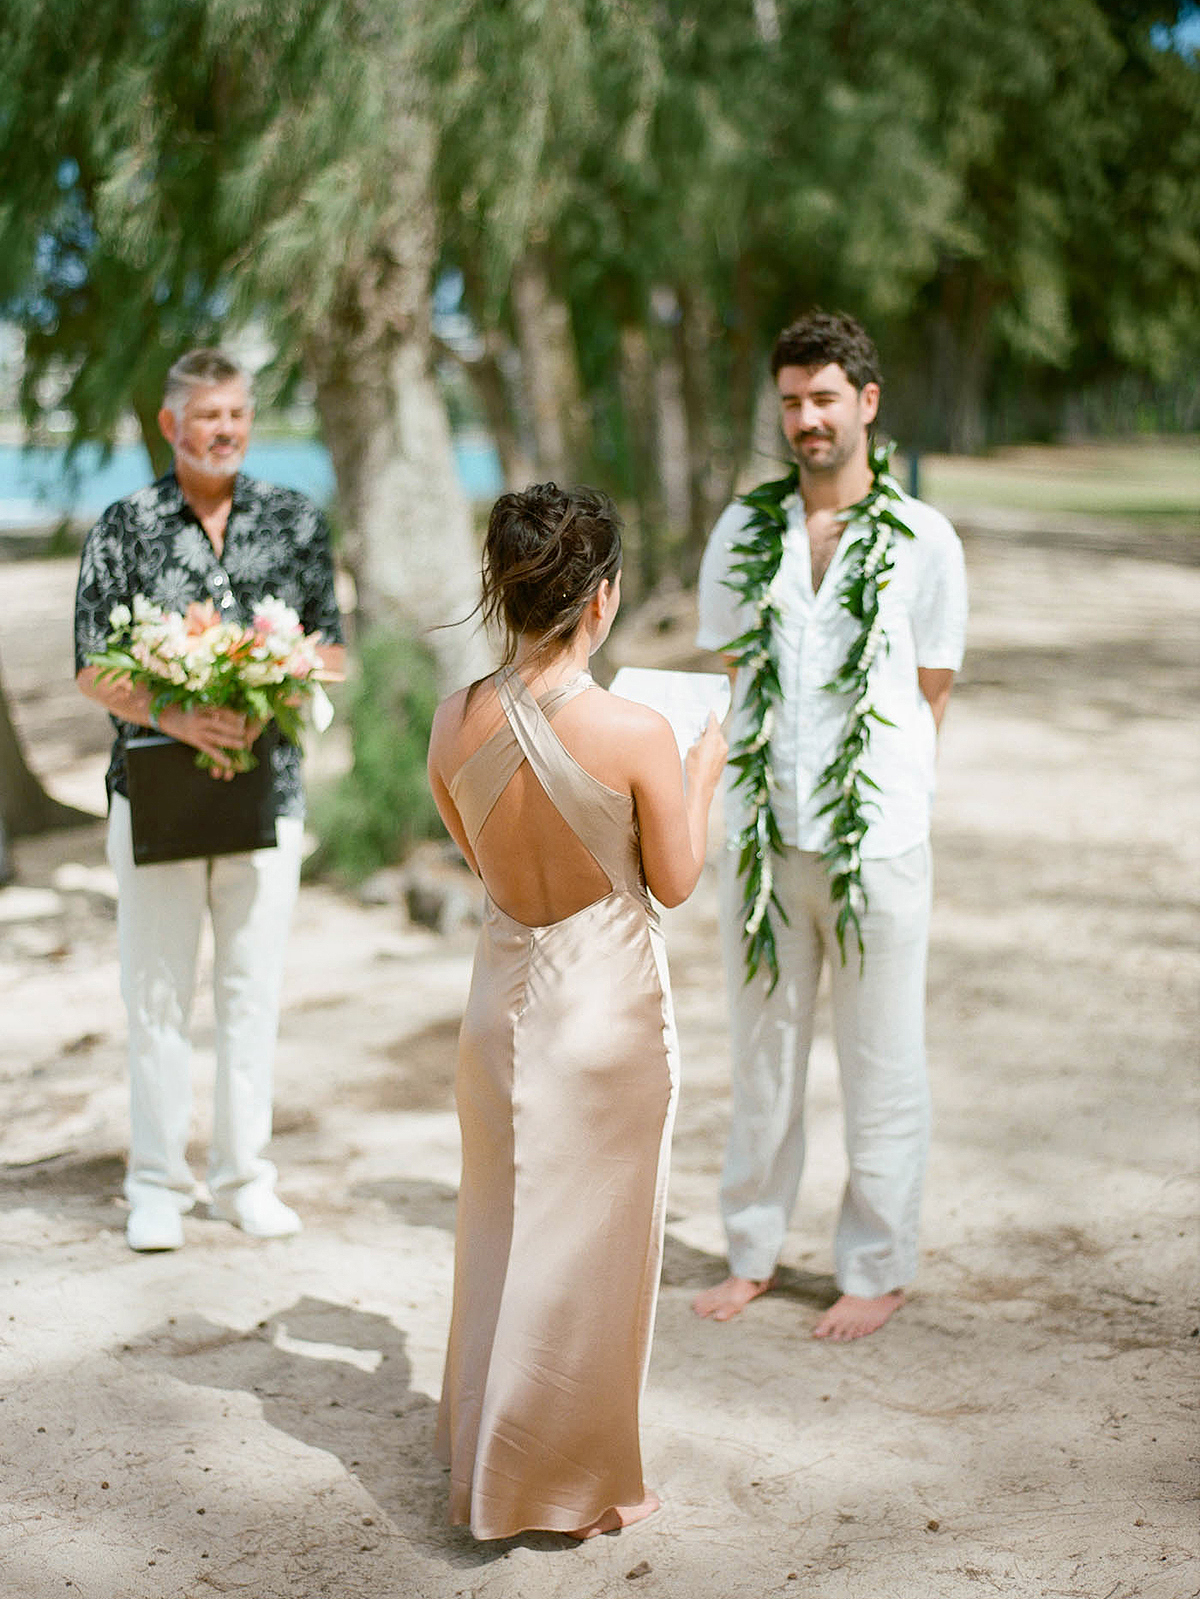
[{"x": 924, "y": 608}]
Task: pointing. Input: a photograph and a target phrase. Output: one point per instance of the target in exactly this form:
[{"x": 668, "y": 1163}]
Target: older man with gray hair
[{"x": 203, "y": 532}]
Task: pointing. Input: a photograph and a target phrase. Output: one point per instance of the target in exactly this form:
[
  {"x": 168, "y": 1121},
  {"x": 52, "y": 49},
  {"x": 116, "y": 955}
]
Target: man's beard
[
  {"x": 840, "y": 451},
  {"x": 205, "y": 466}
]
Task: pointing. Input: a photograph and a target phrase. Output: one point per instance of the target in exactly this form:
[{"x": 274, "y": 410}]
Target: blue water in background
[{"x": 35, "y": 490}]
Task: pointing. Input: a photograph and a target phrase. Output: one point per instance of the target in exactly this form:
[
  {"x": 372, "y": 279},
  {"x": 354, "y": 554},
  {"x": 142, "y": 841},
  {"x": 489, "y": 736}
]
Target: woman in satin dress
[{"x": 568, "y": 802}]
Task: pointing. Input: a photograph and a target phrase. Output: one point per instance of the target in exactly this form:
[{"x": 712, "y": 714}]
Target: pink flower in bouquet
[
  {"x": 199, "y": 617},
  {"x": 279, "y": 647}
]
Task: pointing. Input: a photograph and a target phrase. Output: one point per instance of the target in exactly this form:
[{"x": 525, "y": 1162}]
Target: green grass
[{"x": 1159, "y": 479}]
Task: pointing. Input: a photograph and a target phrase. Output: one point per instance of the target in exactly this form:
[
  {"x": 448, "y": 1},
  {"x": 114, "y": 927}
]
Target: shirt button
[
  {"x": 219, "y": 580},
  {"x": 226, "y": 601}
]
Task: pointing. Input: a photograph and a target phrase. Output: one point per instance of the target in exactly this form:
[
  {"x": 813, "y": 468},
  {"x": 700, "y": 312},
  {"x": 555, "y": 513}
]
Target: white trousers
[
  {"x": 160, "y": 914},
  {"x": 879, "y": 1030}
]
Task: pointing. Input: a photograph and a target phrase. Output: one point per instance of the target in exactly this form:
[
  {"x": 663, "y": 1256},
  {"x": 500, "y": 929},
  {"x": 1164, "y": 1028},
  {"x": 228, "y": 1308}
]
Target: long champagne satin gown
[{"x": 566, "y": 1086}]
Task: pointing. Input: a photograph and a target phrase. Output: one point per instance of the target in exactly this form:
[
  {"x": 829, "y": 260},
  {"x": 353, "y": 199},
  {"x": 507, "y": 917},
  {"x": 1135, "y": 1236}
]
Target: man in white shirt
[{"x": 826, "y": 371}]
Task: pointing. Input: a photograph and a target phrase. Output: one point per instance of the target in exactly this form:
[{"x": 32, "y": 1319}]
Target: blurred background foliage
[
  {"x": 618, "y": 203},
  {"x": 633, "y": 195},
  {"x": 381, "y": 806}
]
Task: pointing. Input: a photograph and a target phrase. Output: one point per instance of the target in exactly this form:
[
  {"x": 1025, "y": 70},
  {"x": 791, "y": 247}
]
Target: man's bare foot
[
  {"x": 619, "y": 1516},
  {"x": 730, "y": 1298},
  {"x": 852, "y": 1317}
]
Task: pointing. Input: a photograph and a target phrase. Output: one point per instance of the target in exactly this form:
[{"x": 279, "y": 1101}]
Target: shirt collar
[
  {"x": 170, "y": 496},
  {"x": 171, "y": 501}
]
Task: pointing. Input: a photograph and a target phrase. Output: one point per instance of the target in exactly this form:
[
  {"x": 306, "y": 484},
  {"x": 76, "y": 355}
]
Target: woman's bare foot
[
  {"x": 730, "y": 1298},
  {"x": 852, "y": 1317},
  {"x": 619, "y": 1516}
]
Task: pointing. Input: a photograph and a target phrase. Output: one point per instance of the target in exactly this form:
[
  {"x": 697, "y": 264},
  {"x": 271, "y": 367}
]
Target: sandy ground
[{"x": 256, "y": 1418}]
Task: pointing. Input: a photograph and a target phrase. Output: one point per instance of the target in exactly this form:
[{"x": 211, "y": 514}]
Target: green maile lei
[{"x": 753, "y": 577}]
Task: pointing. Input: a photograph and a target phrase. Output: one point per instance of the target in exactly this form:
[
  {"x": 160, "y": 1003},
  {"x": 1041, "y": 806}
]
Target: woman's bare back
[
  {"x": 534, "y": 866},
  {"x": 532, "y": 863}
]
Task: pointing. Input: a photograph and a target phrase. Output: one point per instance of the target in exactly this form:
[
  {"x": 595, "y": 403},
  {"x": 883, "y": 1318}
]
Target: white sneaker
[
  {"x": 257, "y": 1211},
  {"x": 154, "y": 1224}
]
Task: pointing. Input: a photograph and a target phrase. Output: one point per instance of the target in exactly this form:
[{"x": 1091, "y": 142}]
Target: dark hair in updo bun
[{"x": 546, "y": 553}]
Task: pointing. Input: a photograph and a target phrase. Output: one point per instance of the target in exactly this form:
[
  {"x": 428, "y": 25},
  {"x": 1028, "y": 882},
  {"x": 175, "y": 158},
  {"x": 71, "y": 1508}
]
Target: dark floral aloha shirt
[{"x": 152, "y": 543}]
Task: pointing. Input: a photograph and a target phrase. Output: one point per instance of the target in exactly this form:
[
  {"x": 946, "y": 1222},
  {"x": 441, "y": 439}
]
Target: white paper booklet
[{"x": 684, "y": 698}]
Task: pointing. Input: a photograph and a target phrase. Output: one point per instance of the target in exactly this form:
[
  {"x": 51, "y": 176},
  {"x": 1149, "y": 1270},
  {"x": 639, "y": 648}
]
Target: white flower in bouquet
[{"x": 280, "y": 649}]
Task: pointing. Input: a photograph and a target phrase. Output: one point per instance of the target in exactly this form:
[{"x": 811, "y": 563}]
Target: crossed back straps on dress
[{"x": 601, "y": 819}]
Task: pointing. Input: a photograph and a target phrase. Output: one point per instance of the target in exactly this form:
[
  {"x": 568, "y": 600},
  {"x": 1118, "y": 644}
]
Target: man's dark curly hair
[{"x": 823, "y": 338}]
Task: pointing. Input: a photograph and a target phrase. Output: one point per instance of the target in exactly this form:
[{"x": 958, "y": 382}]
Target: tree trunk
[
  {"x": 768, "y": 456},
  {"x": 960, "y": 351},
  {"x": 408, "y": 536},
  {"x": 968, "y": 420},
  {"x": 157, "y": 447},
  {"x": 550, "y": 369},
  {"x": 746, "y": 363},
  {"x": 496, "y": 378},
  {"x": 490, "y": 378},
  {"x": 671, "y": 438},
  {"x": 641, "y": 422},
  {"x": 25, "y": 807},
  {"x": 693, "y": 340}
]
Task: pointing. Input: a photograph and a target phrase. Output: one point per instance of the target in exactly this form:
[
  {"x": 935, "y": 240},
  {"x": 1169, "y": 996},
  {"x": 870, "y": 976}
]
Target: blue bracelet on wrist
[{"x": 154, "y": 720}]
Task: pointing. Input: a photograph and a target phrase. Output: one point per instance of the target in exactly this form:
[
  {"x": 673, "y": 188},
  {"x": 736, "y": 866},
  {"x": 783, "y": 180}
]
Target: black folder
[{"x": 180, "y": 812}]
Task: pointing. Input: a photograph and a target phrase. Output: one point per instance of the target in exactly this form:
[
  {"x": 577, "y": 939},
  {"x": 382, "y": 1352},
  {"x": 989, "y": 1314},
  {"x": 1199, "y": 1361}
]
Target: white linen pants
[
  {"x": 879, "y": 1030},
  {"x": 160, "y": 913}
]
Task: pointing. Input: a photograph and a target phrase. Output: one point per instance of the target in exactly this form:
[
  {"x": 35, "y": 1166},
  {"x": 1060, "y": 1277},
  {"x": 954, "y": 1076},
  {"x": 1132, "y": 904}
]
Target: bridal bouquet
[{"x": 266, "y": 671}]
